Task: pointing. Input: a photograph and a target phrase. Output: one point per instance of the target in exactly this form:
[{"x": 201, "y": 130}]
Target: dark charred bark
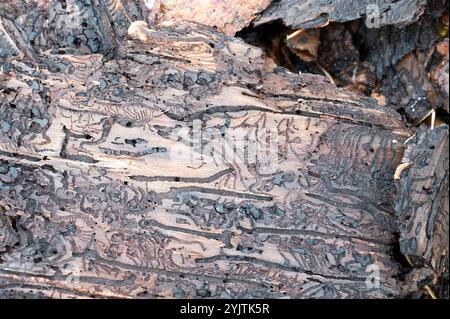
[
  {"x": 317, "y": 13},
  {"x": 423, "y": 206}
]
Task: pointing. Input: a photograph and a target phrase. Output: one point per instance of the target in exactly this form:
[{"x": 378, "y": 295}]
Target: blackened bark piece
[
  {"x": 423, "y": 203},
  {"x": 393, "y": 63},
  {"x": 97, "y": 175},
  {"x": 408, "y": 89},
  {"x": 299, "y": 14},
  {"x": 90, "y": 26},
  {"x": 403, "y": 59}
]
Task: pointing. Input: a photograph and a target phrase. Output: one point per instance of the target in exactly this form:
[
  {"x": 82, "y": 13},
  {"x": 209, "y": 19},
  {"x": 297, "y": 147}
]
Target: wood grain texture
[{"x": 95, "y": 201}]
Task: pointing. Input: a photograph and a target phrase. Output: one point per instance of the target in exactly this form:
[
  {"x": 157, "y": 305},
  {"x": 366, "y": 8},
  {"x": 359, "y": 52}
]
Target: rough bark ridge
[
  {"x": 423, "y": 205},
  {"x": 94, "y": 203}
]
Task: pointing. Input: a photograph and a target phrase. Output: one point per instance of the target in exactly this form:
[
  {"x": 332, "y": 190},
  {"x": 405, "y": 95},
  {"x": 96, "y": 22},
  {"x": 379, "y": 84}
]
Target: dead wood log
[
  {"x": 99, "y": 199},
  {"x": 423, "y": 206}
]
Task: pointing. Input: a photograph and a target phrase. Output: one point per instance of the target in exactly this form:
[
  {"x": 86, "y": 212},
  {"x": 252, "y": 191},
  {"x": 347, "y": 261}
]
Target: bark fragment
[{"x": 423, "y": 205}]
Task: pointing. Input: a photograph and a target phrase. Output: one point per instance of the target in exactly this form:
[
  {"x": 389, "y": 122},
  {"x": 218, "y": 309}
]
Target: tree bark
[{"x": 99, "y": 199}]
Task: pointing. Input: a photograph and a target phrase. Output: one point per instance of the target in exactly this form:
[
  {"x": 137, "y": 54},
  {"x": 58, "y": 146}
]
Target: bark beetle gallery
[{"x": 131, "y": 138}]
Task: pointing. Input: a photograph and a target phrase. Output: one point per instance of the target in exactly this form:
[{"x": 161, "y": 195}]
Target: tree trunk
[{"x": 147, "y": 175}]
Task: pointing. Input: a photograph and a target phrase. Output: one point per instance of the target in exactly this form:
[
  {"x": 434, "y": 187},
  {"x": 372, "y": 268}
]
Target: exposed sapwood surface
[
  {"x": 423, "y": 204},
  {"x": 95, "y": 204},
  {"x": 307, "y": 14}
]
